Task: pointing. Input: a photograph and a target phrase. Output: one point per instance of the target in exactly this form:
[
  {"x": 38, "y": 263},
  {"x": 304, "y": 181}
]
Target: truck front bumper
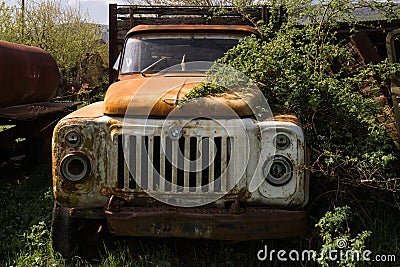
[{"x": 209, "y": 223}]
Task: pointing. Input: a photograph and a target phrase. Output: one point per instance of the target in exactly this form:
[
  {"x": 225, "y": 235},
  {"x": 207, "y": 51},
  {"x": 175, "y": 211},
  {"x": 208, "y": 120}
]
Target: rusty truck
[{"x": 141, "y": 164}]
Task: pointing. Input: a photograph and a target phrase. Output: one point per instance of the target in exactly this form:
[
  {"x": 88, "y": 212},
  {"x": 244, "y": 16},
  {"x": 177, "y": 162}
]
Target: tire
[
  {"x": 75, "y": 236},
  {"x": 64, "y": 231}
]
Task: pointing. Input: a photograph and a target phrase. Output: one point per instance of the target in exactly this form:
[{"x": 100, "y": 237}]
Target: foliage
[
  {"x": 293, "y": 67},
  {"x": 335, "y": 232},
  {"x": 38, "y": 250},
  {"x": 27, "y": 203},
  {"x": 64, "y": 32}
]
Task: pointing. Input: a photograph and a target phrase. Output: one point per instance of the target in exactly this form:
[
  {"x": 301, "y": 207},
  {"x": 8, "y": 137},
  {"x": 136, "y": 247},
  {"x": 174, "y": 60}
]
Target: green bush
[
  {"x": 337, "y": 240},
  {"x": 292, "y": 67}
]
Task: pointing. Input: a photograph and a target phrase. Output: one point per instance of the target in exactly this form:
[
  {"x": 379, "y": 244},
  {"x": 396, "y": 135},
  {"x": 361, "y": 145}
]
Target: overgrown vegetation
[
  {"x": 293, "y": 68},
  {"x": 64, "y": 32}
]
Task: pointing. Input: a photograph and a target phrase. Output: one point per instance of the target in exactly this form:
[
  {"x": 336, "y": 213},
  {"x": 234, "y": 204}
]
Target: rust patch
[
  {"x": 244, "y": 194},
  {"x": 145, "y": 97},
  {"x": 63, "y": 199},
  {"x": 210, "y": 223},
  {"x": 67, "y": 186},
  {"x": 226, "y": 29},
  {"x": 288, "y": 118},
  {"x": 94, "y": 110}
]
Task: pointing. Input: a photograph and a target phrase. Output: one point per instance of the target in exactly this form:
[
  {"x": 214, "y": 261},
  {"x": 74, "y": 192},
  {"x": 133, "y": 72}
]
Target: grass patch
[
  {"x": 26, "y": 202},
  {"x": 5, "y": 127}
]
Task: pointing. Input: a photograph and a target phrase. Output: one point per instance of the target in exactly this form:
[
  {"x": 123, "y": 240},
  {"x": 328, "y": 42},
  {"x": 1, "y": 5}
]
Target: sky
[{"x": 97, "y": 9}]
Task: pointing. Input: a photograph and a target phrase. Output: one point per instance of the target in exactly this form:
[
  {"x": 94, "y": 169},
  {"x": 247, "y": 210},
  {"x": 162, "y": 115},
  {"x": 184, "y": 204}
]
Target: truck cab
[{"x": 144, "y": 162}]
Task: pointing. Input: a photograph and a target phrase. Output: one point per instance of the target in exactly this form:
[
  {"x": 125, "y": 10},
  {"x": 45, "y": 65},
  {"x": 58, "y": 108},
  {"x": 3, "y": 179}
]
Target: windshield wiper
[{"x": 143, "y": 72}]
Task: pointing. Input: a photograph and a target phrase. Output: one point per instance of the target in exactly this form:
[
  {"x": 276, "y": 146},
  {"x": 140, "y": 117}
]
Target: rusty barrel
[{"x": 27, "y": 75}]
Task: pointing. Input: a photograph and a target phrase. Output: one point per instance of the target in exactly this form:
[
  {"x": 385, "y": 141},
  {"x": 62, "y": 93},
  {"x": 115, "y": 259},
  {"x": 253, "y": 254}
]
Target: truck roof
[{"x": 243, "y": 29}]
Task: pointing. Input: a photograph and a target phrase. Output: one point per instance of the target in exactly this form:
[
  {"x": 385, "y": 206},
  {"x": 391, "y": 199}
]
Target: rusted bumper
[{"x": 251, "y": 224}]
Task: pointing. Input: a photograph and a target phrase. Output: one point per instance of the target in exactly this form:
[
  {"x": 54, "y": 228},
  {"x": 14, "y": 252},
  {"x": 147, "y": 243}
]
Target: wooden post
[{"x": 112, "y": 41}]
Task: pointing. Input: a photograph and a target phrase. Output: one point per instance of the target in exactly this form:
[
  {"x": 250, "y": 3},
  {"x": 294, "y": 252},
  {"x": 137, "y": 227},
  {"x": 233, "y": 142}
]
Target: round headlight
[
  {"x": 73, "y": 139},
  {"x": 278, "y": 170},
  {"x": 282, "y": 141},
  {"x": 75, "y": 167}
]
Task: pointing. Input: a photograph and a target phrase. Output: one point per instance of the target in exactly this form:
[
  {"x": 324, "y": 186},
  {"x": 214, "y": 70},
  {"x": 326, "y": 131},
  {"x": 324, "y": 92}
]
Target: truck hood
[{"x": 159, "y": 96}]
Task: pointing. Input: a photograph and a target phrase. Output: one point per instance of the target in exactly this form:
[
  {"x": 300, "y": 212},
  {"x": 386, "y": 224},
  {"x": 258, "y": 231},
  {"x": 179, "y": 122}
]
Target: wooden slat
[
  {"x": 194, "y": 10},
  {"x": 183, "y": 20}
]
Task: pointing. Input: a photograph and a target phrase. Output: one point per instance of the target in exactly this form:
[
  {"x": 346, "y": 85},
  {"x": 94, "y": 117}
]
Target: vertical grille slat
[
  {"x": 162, "y": 164},
  {"x": 136, "y": 168},
  {"x": 210, "y": 169},
  {"x": 198, "y": 165},
  {"x": 150, "y": 163},
  {"x": 132, "y": 161},
  {"x": 186, "y": 165},
  {"x": 121, "y": 164},
  {"x": 174, "y": 165},
  {"x": 181, "y": 167},
  {"x": 230, "y": 171}
]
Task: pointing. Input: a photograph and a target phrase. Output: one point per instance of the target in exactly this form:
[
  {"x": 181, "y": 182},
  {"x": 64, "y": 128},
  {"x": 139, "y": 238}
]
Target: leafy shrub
[
  {"x": 292, "y": 66},
  {"x": 337, "y": 241}
]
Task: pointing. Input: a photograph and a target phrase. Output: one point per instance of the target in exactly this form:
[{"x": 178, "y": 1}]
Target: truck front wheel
[
  {"x": 64, "y": 231},
  {"x": 72, "y": 235}
]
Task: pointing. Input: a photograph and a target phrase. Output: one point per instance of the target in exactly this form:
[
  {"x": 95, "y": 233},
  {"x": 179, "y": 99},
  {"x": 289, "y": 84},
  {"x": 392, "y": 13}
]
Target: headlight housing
[
  {"x": 73, "y": 139},
  {"x": 278, "y": 170},
  {"x": 75, "y": 167},
  {"x": 282, "y": 141}
]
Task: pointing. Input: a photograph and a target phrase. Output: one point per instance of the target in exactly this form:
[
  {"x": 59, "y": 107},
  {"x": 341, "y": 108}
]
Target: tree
[{"x": 64, "y": 32}]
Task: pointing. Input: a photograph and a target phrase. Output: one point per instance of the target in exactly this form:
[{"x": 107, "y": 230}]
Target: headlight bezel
[
  {"x": 279, "y": 139},
  {"x": 76, "y": 139},
  {"x": 69, "y": 159},
  {"x": 278, "y": 160}
]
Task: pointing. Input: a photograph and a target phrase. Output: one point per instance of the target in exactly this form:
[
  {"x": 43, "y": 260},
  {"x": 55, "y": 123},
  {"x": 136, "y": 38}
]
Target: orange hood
[{"x": 159, "y": 96}]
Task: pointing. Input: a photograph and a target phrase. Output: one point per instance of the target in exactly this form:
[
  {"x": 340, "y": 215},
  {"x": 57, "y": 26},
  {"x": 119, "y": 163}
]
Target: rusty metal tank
[{"x": 27, "y": 75}]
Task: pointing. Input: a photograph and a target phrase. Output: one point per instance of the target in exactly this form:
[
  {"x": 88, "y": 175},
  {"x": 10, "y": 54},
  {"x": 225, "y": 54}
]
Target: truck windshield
[{"x": 153, "y": 54}]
